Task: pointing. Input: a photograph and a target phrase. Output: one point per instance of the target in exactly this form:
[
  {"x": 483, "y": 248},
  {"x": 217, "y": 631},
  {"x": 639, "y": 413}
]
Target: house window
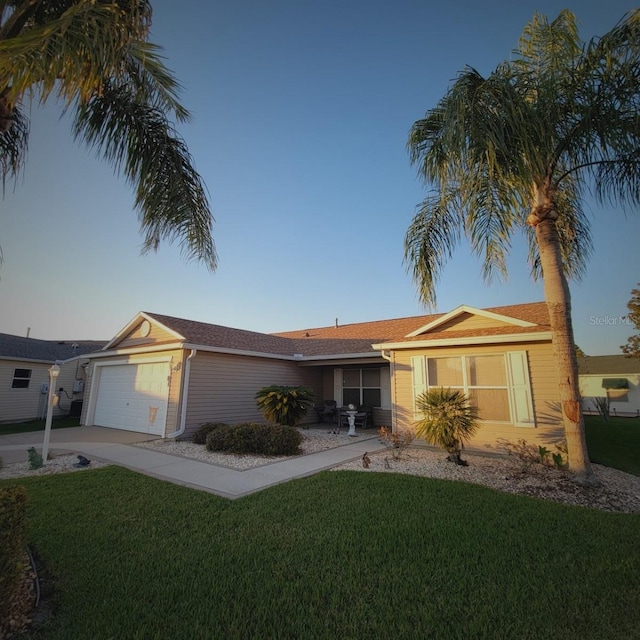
[
  {"x": 361, "y": 386},
  {"x": 617, "y": 389},
  {"x": 497, "y": 384},
  {"x": 21, "y": 378}
]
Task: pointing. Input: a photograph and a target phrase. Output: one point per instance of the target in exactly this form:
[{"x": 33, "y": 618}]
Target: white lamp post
[{"x": 53, "y": 376}]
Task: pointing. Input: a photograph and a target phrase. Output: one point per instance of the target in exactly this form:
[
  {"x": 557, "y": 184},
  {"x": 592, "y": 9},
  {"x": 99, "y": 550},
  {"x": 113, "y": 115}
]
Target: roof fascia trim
[{"x": 543, "y": 336}]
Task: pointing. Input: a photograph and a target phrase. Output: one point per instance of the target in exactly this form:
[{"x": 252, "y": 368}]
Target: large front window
[
  {"x": 361, "y": 387},
  {"x": 497, "y": 384}
]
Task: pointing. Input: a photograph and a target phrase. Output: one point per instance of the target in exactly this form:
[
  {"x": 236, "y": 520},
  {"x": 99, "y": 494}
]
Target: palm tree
[
  {"x": 94, "y": 58},
  {"x": 284, "y": 405},
  {"x": 515, "y": 151},
  {"x": 448, "y": 420}
]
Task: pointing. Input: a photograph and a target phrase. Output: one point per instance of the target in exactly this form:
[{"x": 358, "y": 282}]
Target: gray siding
[{"x": 222, "y": 387}]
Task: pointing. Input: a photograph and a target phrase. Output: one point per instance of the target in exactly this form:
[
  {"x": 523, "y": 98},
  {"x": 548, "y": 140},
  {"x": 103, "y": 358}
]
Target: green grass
[
  {"x": 615, "y": 443},
  {"x": 63, "y": 422},
  {"x": 337, "y": 555}
]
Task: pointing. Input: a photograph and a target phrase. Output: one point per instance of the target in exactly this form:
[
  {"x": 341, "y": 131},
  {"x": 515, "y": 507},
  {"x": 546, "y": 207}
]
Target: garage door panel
[{"x": 133, "y": 397}]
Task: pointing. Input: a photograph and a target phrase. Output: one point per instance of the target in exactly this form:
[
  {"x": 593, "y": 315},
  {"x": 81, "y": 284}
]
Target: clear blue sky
[{"x": 300, "y": 118}]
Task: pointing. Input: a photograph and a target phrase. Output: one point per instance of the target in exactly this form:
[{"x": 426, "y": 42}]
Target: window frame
[
  {"x": 18, "y": 380},
  {"x": 466, "y": 387},
  {"x": 518, "y": 384},
  {"x": 362, "y": 388}
]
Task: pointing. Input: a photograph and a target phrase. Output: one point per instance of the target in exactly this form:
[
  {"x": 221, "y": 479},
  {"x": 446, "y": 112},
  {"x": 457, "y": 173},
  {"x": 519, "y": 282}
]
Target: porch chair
[{"x": 327, "y": 413}]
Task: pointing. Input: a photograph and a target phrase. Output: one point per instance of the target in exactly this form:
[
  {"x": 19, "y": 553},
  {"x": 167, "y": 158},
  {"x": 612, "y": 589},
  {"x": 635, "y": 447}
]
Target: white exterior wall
[{"x": 591, "y": 387}]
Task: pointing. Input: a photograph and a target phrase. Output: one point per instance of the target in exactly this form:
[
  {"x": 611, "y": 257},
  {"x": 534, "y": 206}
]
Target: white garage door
[{"x": 133, "y": 397}]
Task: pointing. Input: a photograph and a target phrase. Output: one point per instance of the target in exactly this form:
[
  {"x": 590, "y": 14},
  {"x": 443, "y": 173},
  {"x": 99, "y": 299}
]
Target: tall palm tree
[
  {"x": 516, "y": 151},
  {"x": 94, "y": 58}
]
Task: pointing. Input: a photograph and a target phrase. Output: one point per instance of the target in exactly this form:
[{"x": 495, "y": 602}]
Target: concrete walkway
[{"x": 116, "y": 447}]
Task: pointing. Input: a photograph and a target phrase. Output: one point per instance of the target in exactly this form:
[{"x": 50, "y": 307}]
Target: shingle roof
[
  {"x": 214, "y": 335},
  {"x": 356, "y": 338},
  {"x": 20, "y": 348},
  {"x": 608, "y": 365}
]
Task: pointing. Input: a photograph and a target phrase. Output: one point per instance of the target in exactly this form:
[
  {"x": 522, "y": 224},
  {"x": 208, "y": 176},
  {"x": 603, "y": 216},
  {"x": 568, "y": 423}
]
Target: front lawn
[
  {"x": 615, "y": 443},
  {"x": 337, "y": 555},
  {"x": 64, "y": 422}
]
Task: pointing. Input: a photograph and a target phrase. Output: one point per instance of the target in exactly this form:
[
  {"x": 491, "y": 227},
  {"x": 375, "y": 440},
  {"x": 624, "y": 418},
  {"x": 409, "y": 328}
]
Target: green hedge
[
  {"x": 263, "y": 439},
  {"x": 13, "y": 541},
  {"x": 200, "y": 436}
]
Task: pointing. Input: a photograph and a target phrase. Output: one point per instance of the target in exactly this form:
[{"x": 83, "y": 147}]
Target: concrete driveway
[{"x": 13, "y": 447}]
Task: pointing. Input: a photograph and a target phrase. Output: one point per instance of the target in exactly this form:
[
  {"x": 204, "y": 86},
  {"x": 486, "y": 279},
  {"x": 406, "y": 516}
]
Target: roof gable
[
  {"x": 470, "y": 318},
  {"x": 144, "y": 330}
]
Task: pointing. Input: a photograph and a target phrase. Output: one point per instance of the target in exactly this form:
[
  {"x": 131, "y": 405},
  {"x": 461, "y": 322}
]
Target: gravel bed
[
  {"x": 58, "y": 464},
  {"x": 619, "y": 491},
  {"x": 313, "y": 441}
]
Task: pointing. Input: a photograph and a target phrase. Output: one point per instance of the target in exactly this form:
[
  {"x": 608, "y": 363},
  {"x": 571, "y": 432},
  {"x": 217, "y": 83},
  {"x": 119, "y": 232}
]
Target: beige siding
[
  {"x": 28, "y": 404},
  {"x": 22, "y": 404},
  {"x": 468, "y": 321},
  {"x": 222, "y": 387},
  {"x": 134, "y": 338},
  {"x": 175, "y": 385},
  {"x": 544, "y": 385}
]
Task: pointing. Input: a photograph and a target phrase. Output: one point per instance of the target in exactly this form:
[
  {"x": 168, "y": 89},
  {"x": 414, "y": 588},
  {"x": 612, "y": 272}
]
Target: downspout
[
  {"x": 185, "y": 396},
  {"x": 387, "y": 357}
]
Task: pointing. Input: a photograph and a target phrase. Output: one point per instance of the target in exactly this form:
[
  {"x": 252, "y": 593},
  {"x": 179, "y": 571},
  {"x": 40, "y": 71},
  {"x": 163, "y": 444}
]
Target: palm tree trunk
[{"x": 558, "y": 299}]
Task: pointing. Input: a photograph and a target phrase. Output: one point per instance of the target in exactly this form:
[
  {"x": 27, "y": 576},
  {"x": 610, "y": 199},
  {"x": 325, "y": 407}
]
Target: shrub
[
  {"x": 529, "y": 456},
  {"x": 284, "y": 405},
  {"x": 262, "y": 439},
  {"x": 396, "y": 441},
  {"x": 13, "y": 542},
  {"x": 448, "y": 420},
  {"x": 200, "y": 436}
]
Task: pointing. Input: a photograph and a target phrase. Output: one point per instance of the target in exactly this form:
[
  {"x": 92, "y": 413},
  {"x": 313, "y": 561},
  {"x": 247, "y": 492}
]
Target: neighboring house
[
  {"x": 24, "y": 375},
  {"x": 166, "y": 375},
  {"x": 614, "y": 377}
]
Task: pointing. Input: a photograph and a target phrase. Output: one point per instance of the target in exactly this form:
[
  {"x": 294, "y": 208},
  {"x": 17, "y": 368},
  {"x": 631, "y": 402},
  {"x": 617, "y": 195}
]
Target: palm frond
[
  {"x": 602, "y": 143},
  {"x": 430, "y": 241},
  {"x": 140, "y": 143},
  {"x": 70, "y": 51},
  {"x": 546, "y": 49},
  {"x": 13, "y": 146},
  {"x": 146, "y": 70}
]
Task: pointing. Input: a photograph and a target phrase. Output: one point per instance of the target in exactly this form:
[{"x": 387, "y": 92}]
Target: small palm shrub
[
  {"x": 200, "y": 436},
  {"x": 262, "y": 439},
  {"x": 283, "y": 404},
  {"x": 448, "y": 420}
]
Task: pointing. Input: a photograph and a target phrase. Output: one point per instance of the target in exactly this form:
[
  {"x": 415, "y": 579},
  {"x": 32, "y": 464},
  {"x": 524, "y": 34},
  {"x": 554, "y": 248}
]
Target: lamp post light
[{"x": 53, "y": 376}]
